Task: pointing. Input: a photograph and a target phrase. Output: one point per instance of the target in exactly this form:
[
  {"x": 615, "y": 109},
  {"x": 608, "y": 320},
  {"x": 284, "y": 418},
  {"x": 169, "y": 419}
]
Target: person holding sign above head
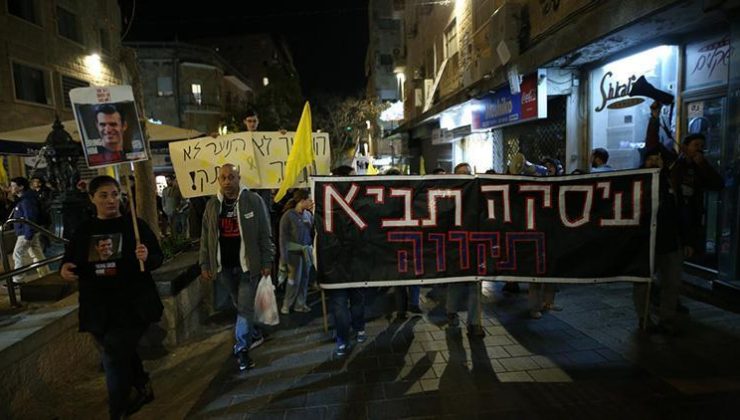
[
  {"x": 112, "y": 125},
  {"x": 118, "y": 299},
  {"x": 236, "y": 250},
  {"x": 455, "y": 291}
]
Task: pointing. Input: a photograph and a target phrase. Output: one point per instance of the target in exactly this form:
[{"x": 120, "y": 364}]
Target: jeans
[
  {"x": 24, "y": 249},
  {"x": 123, "y": 368},
  {"x": 406, "y": 294},
  {"x": 455, "y": 292},
  {"x": 297, "y": 288},
  {"x": 348, "y": 306},
  {"x": 242, "y": 288}
]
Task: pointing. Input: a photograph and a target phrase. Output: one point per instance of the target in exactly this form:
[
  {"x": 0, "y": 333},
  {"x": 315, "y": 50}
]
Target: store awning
[{"x": 25, "y": 140}]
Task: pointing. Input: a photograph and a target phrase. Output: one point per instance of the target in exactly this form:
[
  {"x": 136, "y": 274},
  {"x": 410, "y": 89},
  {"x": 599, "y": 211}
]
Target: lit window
[
  {"x": 197, "y": 93},
  {"x": 265, "y": 81}
]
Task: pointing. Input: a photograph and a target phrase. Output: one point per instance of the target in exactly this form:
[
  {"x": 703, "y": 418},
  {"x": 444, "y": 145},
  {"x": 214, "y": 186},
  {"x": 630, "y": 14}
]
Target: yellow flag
[
  {"x": 372, "y": 170},
  {"x": 3, "y": 174},
  {"x": 301, "y": 153},
  {"x": 422, "y": 166}
]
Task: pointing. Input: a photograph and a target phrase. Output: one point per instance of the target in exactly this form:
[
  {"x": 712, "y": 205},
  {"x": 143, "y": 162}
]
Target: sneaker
[
  {"x": 476, "y": 331},
  {"x": 341, "y": 350},
  {"x": 256, "y": 342},
  {"x": 144, "y": 395},
  {"x": 245, "y": 362},
  {"x": 535, "y": 314},
  {"x": 361, "y": 336},
  {"x": 284, "y": 310},
  {"x": 303, "y": 308},
  {"x": 453, "y": 320}
]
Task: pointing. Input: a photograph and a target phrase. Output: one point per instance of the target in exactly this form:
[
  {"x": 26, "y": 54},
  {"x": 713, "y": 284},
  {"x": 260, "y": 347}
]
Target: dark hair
[
  {"x": 392, "y": 171},
  {"x": 602, "y": 154},
  {"x": 693, "y": 136},
  {"x": 491, "y": 172},
  {"x": 100, "y": 181},
  {"x": 343, "y": 170},
  {"x": 438, "y": 171},
  {"x": 39, "y": 177},
  {"x": 109, "y": 109},
  {"x": 21, "y": 182},
  {"x": 559, "y": 170},
  {"x": 577, "y": 172},
  {"x": 251, "y": 112},
  {"x": 103, "y": 238},
  {"x": 298, "y": 196}
]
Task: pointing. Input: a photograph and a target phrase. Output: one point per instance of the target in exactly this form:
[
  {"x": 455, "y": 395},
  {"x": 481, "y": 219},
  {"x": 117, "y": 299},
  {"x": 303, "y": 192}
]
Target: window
[
  {"x": 31, "y": 84},
  {"x": 67, "y": 25},
  {"x": 164, "y": 86},
  {"x": 451, "y": 40},
  {"x": 69, "y": 83},
  {"x": 104, "y": 40},
  {"x": 197, "y": 93},
  {"x": 24, "y": 9}
]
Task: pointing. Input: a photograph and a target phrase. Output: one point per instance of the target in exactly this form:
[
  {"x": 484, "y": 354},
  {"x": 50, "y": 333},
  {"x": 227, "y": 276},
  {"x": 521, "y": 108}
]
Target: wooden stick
[
  {"x": 133, "y": 217},
  {"x": 323, "y": 308}
]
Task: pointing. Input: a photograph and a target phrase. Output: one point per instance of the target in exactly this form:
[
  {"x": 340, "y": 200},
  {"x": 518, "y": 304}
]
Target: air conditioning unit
[{"x": 503, "y": 28}]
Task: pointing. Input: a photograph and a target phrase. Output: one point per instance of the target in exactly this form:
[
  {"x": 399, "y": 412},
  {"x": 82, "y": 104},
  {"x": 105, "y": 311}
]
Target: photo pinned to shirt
[{"x": 104, "y": 252}]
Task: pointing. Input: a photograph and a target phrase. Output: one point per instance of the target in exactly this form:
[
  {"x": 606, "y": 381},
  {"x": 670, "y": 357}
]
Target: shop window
[
  {"x": 68, "y": 26},
  {"x": 69, "y": 83},
  {"x": 618, "y": 121},
  {"x": 195, "y": 88},
  {"x": 24, "y": 9},
  {"x": 31, "y": 84}
]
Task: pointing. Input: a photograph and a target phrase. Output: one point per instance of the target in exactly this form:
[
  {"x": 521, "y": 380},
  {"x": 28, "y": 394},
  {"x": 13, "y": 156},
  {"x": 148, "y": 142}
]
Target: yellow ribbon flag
[
  {"x": 3, "y": 174},
  {"x": 422, "y": 166},
  {"x": 301, "y": 153},
  {"x": 372, "y": 170}
]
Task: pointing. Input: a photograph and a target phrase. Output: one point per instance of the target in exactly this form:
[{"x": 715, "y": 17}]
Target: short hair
[
  {"x": 392, "y": 171},
  {"x": 460, "y": 165},
  {"x": 491, "y": 172},
  {"x": 109, "y": 109},
  {"x": 438, "y": 171},
  {"x": 251, "y": 112},
  {"x": 21, "y": 182},
  {"x": 103, "y": 238},
  {"x": 39, "y": 177},
  {"x": 602, "y": 154},
  {"x": 693, "y": 136},
  {"x": 101, "y": 181},
  {"x": 344, "y": 170}
]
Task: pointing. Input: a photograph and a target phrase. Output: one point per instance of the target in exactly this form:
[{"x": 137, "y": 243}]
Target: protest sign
[
  {"x": 108, "y": 123},
  {"x": 384, "y": 230},
  {"x": 261, "y": 157}
]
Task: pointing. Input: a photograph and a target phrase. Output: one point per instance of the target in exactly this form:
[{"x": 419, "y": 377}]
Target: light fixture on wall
[{"x": 94, "y": 65}]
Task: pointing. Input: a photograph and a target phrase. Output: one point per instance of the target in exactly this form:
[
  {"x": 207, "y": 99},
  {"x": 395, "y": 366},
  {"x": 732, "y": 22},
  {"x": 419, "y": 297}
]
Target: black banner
[{"x": 391, "y": 230}]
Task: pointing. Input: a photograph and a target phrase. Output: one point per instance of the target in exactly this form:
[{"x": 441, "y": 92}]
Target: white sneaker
[{"x": 284, "y": 310}]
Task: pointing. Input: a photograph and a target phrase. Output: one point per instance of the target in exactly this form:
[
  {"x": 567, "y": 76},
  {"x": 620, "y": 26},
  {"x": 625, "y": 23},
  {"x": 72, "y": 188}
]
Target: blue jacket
[{"x": 28, "y": 208}]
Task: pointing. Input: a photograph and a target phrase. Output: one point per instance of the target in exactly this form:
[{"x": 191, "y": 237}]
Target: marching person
[
  {"x": 455, "y": 291},
  {"x": 236, "y": 250},
  {"x": 117, "y": 300},
  {"x": 28, "y": 242},
  {"x": 296, "y": 251}
]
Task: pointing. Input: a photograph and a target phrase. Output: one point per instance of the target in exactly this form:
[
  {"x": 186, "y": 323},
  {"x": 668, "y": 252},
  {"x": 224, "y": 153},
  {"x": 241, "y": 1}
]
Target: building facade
[
  {"x": 487, "y": 79},
  {"x": 47, "y": 49}
]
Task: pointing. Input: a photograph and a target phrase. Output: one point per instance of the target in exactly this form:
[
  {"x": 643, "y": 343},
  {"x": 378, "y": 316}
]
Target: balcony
[{"x": 202, "y": 103}]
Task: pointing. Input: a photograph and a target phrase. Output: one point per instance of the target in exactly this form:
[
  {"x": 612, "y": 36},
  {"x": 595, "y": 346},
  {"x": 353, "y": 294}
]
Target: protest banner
[
  {"x": 385, "y": 231},
  {"x": 108, "y": 124},
  {"x": 261, "y": 157}
]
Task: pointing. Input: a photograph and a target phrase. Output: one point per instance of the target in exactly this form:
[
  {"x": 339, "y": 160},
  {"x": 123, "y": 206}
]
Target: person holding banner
[
  {"x": 236, "y": 250},
  {"x": 118, "y": 300},
  {"x": 296, "y": 251},
  {"x": 455, "y": 291}
]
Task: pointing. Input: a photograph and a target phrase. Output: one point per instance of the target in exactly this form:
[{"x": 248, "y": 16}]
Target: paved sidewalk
[{"x": 587, "y": 361}]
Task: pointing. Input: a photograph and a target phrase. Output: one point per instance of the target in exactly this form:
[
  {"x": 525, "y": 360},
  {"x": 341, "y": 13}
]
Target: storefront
[{"x": 695, "y": 69}]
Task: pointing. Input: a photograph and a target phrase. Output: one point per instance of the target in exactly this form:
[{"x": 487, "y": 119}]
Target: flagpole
[{"x": 132, "y": 209}]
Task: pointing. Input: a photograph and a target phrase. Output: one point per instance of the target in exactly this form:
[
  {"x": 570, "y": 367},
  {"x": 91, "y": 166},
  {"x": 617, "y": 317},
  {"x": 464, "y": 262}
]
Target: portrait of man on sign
[{"x": 109, "y": 129}]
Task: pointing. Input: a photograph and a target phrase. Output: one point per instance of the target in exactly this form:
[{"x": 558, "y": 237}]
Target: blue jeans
[
  {"x": 348, "y": 306},
  {"x": 123, "y": 368},
  {"x": 406, "y": 294},
  {"x": 242, "y": 288},
  {"x": 297, "y": 288}
]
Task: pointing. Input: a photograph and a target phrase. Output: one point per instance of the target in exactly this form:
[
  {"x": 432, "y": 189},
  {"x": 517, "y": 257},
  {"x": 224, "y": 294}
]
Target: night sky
[{"x": 328, "y": 39}]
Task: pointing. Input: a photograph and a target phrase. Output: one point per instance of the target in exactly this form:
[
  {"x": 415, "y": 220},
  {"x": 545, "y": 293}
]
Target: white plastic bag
[{"x": 265, "y": 304}]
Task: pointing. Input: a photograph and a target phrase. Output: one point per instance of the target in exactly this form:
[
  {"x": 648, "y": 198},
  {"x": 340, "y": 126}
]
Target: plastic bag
[{"x": 265, "y": 304}]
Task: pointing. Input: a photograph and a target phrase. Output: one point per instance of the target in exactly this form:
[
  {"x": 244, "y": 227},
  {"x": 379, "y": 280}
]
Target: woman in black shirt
[{"x": 117, "y": 299}]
